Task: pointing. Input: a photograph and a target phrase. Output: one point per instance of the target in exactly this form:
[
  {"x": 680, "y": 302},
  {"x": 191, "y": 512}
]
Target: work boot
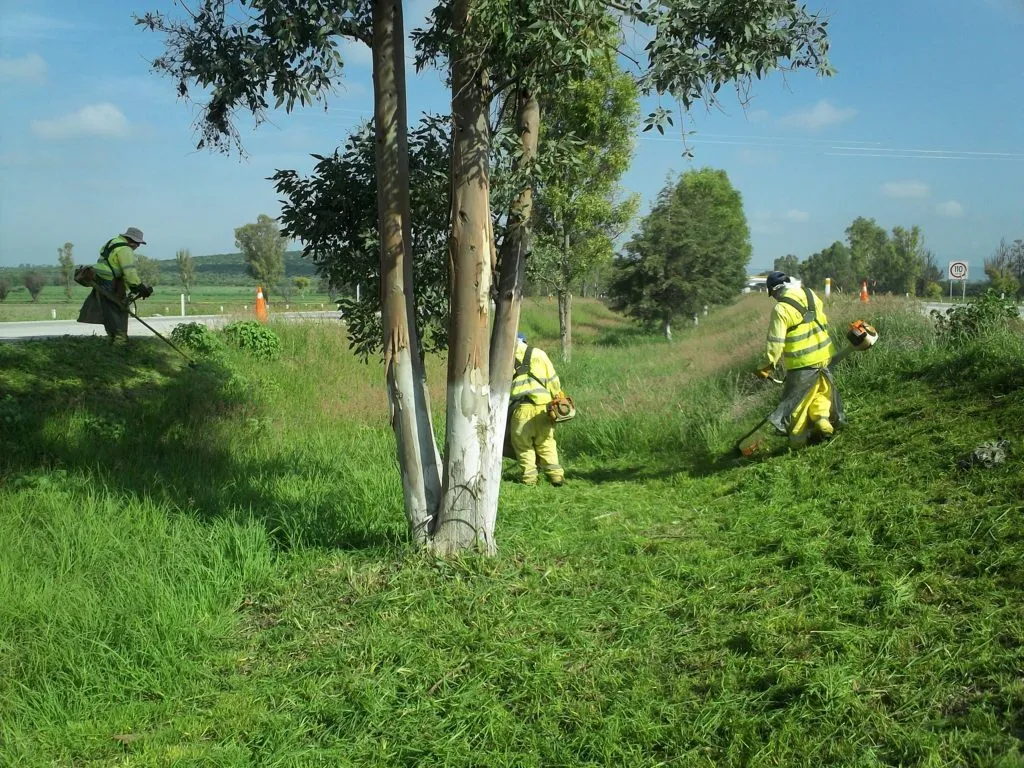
[
  {"x": 558, "y": 483},
  {"x": 824, "y": 427}
]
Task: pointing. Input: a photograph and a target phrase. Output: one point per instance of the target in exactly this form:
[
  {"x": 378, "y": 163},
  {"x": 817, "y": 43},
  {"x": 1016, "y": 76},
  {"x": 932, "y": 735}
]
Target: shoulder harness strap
[
  {"x": 108, "y": 249},
  {"x": 523, "y": 369},
  {"x": 809, "y": 313}
]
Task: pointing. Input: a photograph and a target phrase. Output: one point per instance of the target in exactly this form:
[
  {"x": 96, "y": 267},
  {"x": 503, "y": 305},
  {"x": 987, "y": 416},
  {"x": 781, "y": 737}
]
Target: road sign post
[{"x": 957, "y": 270}]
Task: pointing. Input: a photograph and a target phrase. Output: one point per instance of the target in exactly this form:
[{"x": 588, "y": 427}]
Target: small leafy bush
[
  {"x": 253, "y": 337},
  {"x": 12, "y": 413},
  {"x": 197, "y": 337},
  {"x": 978, "y": 318}
]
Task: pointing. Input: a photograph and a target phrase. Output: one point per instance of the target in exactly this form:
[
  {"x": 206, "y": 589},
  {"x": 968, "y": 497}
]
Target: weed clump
[
  {"x": 978, "y": 318},
  {"x": 197, "y": 337},
  {"x": 255, "y": 338}
]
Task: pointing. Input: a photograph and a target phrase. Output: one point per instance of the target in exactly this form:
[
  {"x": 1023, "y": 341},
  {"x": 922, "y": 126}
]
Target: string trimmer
[
  {"x": 861, "y": 335},
  {"x": 129, "y": 305}
]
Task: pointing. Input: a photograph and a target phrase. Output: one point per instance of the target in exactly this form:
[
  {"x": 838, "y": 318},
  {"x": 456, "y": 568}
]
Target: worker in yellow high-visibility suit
[
  {"x": 534, "y": 384},
  {"x": 798, "y": 337}
]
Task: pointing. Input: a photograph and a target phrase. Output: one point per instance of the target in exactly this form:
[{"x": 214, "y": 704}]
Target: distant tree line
[
  {"x": 1005, "y": 268},
  {"x": 222, "y": 269},
  {"x": 898, "y": 262},
  {"x": 889, "y": 262}
]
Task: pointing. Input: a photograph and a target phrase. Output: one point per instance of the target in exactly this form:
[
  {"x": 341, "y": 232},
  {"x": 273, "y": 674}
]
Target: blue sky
[{"x": 923, "y": 124}]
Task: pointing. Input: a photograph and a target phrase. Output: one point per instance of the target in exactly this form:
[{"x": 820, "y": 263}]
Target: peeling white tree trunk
[
  {"x": 512, "y": 275},
  {"x": 410, "y": 406},
  {"x": 464, "y": 520}
]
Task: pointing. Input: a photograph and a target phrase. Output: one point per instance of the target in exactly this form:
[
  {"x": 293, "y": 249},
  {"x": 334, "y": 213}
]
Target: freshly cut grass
[{"x": 207, "y": 567}]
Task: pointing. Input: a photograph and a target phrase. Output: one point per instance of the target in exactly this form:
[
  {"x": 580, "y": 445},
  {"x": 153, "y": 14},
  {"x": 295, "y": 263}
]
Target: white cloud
[
  {"x": 27, "y": 69},
  {"x": 758, "y": 116},
  {"x": 951, "y": 209},
  {"x": 94, "y": 120},
  {"x": 794, "y": 214},
  {"x": 906, "y": 189},
  {"x": 821, "y": 115}
]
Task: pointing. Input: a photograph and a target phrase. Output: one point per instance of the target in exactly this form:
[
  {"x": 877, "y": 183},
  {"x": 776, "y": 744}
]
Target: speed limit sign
[{"x": 958, "y": 270}]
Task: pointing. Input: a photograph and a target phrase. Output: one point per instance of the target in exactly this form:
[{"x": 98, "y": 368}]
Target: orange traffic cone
[
  {"x": 261, "y": 305},
  {"x": 864, "y": 291}
]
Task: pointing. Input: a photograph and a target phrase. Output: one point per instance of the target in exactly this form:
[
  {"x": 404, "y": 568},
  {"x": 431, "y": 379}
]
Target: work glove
[
  {"x": 143, "y": 291},
  {"x": 765, "y": 373}
]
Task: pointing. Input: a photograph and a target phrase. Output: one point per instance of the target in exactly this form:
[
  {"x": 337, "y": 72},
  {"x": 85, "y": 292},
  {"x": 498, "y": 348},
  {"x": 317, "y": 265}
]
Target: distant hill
[
  {"x": 215, "y": 269},
  {"x": 229, "y": 268}
]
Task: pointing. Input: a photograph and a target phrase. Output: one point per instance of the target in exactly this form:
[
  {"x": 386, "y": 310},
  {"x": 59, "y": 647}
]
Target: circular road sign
[{"x": 958, "y": 270}]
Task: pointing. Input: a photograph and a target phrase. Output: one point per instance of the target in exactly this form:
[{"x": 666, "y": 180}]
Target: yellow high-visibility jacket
[
  {"x": 798, "y": 333},
  {"x": 537, "y": 383},
  {"x": 119, "y": 262}
]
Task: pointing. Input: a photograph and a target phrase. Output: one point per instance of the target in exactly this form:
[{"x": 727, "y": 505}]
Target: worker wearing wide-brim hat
[
  {"x": 798, "y": 338},
  {"x": 115, "y": 274}
]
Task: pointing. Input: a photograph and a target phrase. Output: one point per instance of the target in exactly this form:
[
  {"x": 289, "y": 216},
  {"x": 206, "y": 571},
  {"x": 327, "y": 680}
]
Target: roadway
[{"x": 41, "y": 329}]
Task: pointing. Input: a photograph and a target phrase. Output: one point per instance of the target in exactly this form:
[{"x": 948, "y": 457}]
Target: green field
[
  {"x": 166, "y": 300},
  {"x": 207, "y": 567}
]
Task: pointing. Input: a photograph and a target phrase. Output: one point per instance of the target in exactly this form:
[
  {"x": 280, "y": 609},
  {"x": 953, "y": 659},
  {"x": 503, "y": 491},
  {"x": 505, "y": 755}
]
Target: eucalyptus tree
[{"x": 240, "y": 53}]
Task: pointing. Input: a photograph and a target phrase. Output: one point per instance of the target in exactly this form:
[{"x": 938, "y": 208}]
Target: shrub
[
  {"x": 978, "y": 318},
  {"x": 254, "y": 337},
  {"x": 196, "y": 337},
  {"x": 34, "y": 282}
]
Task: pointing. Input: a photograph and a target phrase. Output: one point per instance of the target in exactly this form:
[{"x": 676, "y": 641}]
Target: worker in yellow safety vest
[
  {"x": 114, "y": 274},
  {"x": 534, "y": 384},
  {"x": 798, "y": 338}
]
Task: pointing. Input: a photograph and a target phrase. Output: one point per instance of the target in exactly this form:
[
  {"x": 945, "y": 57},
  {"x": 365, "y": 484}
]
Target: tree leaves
[
  {"x": 692, "y": 249},
  {"x": 263, "y": 247},
  {"x": 586, "y": 146},
  {"x": 334, "y": 213},
  {"x": 284, "y": 49}
]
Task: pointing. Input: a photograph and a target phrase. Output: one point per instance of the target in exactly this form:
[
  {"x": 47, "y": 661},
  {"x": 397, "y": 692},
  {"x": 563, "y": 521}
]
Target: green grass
[{"x": 207, "y": 567}]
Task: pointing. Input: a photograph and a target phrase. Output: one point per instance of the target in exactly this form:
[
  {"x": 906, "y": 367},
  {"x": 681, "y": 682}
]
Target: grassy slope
[{"x": 208, "y": 564}]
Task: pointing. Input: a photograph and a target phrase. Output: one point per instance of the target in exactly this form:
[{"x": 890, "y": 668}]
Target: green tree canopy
[
  {"x": 1005, "y": 268},
  {"x": 263, "y": 247},
  {"x": 692, "y": 249},
  {"x": 579, "y": 209},
  {"x": 869, "y": 244},
  {"x": 186, "y": 270},
  {"x": 833, "y": 262},
  {"x": 790, "y": 264},
  {"x": 333, "y": 212},
  {"x": 34, "y": 282},
  {"x": 66, "y": 260},
  {"x": 148, "y": 269}
]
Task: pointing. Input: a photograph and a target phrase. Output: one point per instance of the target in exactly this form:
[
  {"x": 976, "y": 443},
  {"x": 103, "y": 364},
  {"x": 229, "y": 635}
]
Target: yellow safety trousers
[
  {"x": 533, "y": 438},
  {"x": 817, "y": 404}
]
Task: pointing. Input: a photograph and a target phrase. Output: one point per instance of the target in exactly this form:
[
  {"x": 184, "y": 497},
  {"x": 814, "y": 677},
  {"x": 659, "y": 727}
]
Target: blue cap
[
  {"x": 776, "y": 280},
  {"x": 521, "y": 337}
]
